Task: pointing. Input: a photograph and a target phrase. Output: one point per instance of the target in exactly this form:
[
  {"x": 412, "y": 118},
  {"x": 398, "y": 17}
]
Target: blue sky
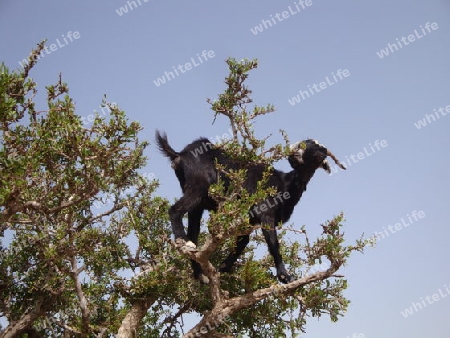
[{"x": 382, "y": 98}]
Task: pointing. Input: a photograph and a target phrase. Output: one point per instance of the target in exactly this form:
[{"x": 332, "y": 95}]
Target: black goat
[{"x": 195, "y": 169}]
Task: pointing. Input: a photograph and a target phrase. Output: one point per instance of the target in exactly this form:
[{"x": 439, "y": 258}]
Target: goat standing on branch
[{"x": 196, "y": 172}]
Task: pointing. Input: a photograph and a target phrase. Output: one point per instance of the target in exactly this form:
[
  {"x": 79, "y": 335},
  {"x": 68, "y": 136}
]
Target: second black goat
[{"x": 195, "y": 169}]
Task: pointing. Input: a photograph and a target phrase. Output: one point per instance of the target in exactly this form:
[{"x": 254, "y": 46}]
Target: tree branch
[
  {"x": 228, "y": 307},
  {"x": 16, "y": 328}
]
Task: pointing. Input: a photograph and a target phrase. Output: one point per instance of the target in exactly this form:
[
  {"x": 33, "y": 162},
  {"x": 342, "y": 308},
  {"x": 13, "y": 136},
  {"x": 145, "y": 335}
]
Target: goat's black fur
[{"x": 195, "y": 169}]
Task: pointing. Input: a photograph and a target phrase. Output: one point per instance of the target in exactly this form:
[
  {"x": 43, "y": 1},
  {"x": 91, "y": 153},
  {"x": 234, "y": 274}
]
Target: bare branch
[
  {"x": 64, "y": 326},
  {"x": 85, "y": 313},
  {"x": 116, "y": 207},
  {"x": 173, "y": 319}
]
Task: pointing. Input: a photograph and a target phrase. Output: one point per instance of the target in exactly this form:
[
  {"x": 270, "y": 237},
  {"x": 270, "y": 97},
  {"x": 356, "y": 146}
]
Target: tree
[{"x": 86, "y": 246}]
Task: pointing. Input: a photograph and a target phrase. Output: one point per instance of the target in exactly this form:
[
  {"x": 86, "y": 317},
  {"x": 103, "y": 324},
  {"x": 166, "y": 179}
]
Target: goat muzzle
[{"x": 329, "y": 153}]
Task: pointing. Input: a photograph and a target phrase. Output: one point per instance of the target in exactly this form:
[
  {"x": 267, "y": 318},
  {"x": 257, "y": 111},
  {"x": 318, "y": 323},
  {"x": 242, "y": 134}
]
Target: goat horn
[{"x": 329, "y": 153}]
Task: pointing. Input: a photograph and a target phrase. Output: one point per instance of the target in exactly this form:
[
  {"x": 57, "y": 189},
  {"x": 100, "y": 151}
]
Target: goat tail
[{"x": 166, "y": 149}]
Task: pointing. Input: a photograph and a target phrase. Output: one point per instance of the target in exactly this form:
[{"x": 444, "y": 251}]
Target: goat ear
[{"x": 325, "y": 166}]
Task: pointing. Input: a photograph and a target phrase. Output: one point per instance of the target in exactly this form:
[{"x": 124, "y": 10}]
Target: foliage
[{"x": 86, "y": 245}]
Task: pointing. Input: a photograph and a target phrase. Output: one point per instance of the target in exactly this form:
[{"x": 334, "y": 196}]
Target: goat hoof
[
  {"x": 224, "y": 268},
  {"x": 285, "y": 278},
  {"x": 190, "y": 245},
  {"x": 187, "y": 244},
  {"x": 203, "y": 279}
]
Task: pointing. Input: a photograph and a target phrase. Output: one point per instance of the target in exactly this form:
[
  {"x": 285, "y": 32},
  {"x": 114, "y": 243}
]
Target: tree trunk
[{"x": 133, "y": 319}]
